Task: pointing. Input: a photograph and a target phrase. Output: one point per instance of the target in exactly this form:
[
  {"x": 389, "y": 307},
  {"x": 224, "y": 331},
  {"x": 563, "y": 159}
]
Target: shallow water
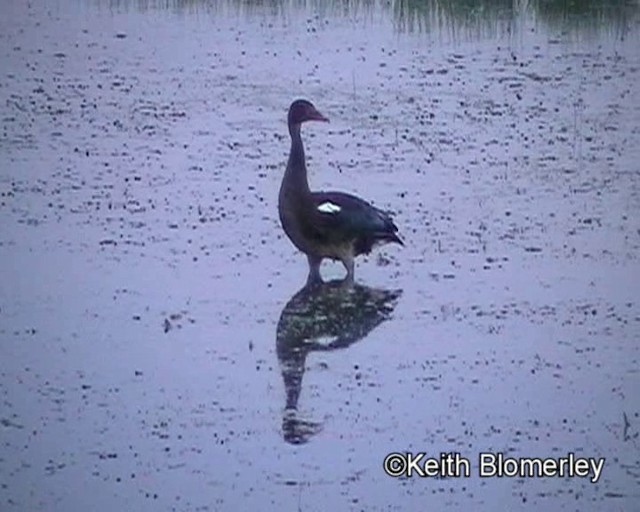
[{"x": 157, "y": 351}]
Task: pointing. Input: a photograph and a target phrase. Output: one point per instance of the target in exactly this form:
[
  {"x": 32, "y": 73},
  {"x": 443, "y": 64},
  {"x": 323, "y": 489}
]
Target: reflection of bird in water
[{"x": 323, "y": 317}]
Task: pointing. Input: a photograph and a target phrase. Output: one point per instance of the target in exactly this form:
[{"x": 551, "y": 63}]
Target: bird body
[{"x": 322, "y": 225}]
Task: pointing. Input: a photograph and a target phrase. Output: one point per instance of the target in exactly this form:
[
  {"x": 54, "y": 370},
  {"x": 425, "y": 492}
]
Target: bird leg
[
  {"x": 347, "y": 261},
  {"x": 314, "y": 270}
]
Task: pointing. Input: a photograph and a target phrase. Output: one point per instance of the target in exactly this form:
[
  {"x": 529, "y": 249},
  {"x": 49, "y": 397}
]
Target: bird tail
[
  {"x": 387, "y": 237},
  {"x": 392, "y": 238}
]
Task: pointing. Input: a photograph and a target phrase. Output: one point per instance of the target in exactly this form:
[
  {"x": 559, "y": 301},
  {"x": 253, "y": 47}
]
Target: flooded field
[{"x": 157, "y": 348}]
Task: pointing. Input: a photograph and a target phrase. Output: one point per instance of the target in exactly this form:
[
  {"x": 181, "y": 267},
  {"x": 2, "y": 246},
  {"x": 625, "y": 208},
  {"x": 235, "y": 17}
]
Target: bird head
[{"x": 303, "y": 110}]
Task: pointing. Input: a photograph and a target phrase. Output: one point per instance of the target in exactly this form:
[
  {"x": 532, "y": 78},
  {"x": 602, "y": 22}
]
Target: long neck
[{"x": 295, "y": 177}]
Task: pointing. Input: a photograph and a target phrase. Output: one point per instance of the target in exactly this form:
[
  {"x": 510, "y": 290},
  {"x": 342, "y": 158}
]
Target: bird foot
[{"x": 314, "y": 279}]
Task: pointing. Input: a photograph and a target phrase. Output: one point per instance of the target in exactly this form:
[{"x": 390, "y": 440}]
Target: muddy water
[{"x": 158, "y": 351}]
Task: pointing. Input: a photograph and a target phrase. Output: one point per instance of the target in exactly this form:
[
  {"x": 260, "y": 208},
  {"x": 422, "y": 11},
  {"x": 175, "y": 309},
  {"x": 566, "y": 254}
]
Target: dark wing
[{"x": 338, "y": 217}]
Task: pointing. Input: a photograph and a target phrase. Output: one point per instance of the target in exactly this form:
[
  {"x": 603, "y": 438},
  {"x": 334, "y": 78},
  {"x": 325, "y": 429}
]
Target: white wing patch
[{"x": 328, "y": 207}]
